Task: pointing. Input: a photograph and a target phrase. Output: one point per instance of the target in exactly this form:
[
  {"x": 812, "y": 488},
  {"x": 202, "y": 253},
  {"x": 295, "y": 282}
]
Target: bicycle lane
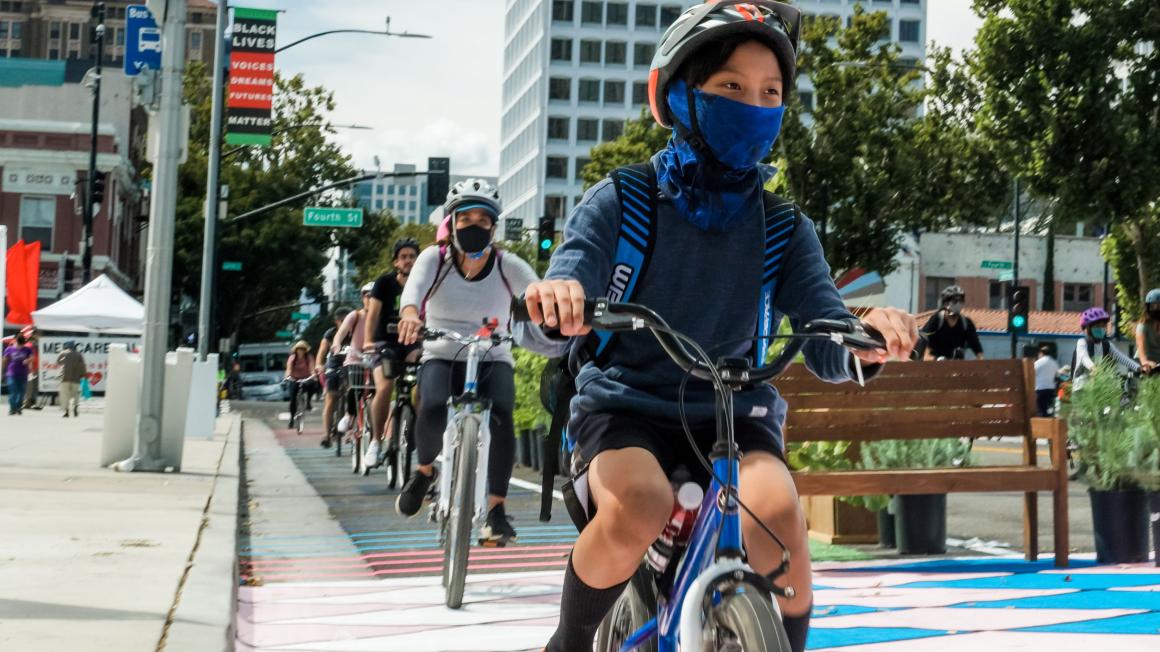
[{"x": 326, "y": 564}]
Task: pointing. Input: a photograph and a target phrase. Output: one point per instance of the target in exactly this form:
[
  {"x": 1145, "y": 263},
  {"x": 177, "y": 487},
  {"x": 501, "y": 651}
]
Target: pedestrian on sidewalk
[
  {"x": 72, "y": 370},
  {"x": 17, "y": 360},
  {"x": 1046, "y": 382},
  {"x": 32, "y": 391}
]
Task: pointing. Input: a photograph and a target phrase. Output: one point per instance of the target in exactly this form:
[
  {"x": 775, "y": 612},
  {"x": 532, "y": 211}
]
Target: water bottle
[{"x": 676, "y": 533}]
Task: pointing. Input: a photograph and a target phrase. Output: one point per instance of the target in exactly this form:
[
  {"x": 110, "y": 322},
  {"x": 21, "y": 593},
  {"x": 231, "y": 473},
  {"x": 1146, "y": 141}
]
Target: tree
[
  {"x": 280, "y": 257},
  {"x": 866, "y": 168},
  {"x": 642, "y": 138},
  {"x": 1071, "y": 108}
]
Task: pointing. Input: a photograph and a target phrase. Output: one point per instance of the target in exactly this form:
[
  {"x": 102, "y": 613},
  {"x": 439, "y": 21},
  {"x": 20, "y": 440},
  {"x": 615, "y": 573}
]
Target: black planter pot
[
  {"x": 920, "y": 524},
  {"x": 886, "y": 538},
  {"x": 1120, "y": 522},
  {"x": 1154, "y": 517}
]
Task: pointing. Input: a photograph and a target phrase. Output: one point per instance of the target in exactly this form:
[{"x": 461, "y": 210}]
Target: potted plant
[
  {"x": 838, "y": 520},
  {"x": 920, "y": 520},
  {"x": 1113, "y": 438},
  {"x": 1147, "y": 416}
]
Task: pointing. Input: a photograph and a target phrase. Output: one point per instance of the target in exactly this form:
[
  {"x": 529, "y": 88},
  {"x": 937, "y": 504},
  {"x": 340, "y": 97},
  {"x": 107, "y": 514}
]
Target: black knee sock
[
  {"x": 797, "y": 629},
  {"x": 581, "y": 610}
]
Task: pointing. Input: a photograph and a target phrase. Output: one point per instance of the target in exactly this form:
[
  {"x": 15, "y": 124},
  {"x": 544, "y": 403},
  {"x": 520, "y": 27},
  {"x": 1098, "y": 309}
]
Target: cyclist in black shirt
[
  {"x": 382, "y": 311},
  {"x": 948, "y": 332},
  {"x": 330, "y": 362}
]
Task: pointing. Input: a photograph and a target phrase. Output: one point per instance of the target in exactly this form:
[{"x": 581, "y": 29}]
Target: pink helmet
[
  {"x": 1093, "y": 316},
  {"x": 443, "y": 233}
]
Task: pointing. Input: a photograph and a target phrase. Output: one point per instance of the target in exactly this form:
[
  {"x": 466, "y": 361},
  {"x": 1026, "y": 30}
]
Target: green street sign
[
  {"x": 231, "y": 266},
  {"x": 285, "y": 335},
  {"x": 1007, "y": 276},
  {"x": 300, "y": 316},
  {"x": 997, "y": 264},
  {"x": 345, "y": 218}
]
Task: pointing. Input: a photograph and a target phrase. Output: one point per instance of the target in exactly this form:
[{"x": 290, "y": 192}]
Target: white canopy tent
[{"x": 99, "y": 307}]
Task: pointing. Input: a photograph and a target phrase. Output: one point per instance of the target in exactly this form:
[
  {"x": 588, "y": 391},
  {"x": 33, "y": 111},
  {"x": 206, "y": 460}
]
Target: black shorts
[
  {"x": 392, "y": 355},
  {"x": 597, "y": 432}
]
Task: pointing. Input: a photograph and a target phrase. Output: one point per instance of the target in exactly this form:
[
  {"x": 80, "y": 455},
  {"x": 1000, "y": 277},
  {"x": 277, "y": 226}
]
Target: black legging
[
  {"x": 439, "y": 378},
  {"x": 297, "y": 391}
]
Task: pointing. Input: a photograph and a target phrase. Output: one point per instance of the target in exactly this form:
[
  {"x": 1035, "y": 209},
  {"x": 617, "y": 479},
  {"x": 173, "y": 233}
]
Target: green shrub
[{"x": 1117, "y": 442}]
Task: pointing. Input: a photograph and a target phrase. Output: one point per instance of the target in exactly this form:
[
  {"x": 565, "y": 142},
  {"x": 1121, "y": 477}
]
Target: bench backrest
[{"x": 913, "y": 400}]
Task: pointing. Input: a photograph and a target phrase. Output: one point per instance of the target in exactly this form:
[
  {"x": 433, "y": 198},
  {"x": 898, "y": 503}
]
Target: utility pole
[
  {"x": 209, "y": 242},
  {"x": 159, "y": 256},
  {"x": 98, "y": 51},
  {"x": 1015, "y": 271}
]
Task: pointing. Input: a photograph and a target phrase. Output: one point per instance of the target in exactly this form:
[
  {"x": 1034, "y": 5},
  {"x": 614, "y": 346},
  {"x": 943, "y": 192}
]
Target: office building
[{"x": 575, "y": 70}]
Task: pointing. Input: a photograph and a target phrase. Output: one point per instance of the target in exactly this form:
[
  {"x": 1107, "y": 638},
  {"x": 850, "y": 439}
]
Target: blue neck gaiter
[{"x": 716, "y": 195}]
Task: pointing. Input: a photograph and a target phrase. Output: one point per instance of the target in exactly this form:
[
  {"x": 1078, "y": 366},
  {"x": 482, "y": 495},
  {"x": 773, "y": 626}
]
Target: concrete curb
[{"x": 204, "y": 616}]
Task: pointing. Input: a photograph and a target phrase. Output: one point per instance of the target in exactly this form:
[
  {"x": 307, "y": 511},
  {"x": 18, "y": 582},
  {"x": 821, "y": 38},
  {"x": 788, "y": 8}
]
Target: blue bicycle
[{"x": 716, "y": 602}]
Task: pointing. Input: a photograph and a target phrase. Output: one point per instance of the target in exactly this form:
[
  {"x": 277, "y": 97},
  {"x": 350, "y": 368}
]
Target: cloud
[{"x": 469, "y": 147}]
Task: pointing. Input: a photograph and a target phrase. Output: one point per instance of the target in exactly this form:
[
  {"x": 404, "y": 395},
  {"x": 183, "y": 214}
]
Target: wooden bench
[{"x": 928, "y": 400}]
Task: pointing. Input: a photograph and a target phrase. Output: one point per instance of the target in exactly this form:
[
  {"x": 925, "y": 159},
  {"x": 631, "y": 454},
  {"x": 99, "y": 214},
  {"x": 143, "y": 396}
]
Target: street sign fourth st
[
  {"x": 350, "y": 218},
  {"x": 142, "y": 40},
  {"x": 231, "y": 266},
  {"x": 997, "y": 264}
]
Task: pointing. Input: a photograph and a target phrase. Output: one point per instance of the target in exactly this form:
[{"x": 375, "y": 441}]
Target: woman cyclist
[
  {"x": 719, "y": 78},
  {"x": 330, "y": 368},
  {"x": 353, "y": 328},
  {"x": 453, "y": 287},
  {"x": 1148, "y": 333},
  {"x": 299, "y": 366},
  {"x": 1094, "y": 347}
]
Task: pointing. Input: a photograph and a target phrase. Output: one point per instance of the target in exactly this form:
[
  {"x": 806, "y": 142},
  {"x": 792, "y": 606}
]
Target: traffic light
[
  {"x": 69, "y": 269},
  {"x": 99, "y": 187},
  {"x": 438, "y": 180},
  {"x": 547, "y": 238},
  {"x": 1017, "y": 310}
]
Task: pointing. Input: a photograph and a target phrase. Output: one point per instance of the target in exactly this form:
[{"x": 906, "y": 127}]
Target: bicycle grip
[{"x": 520, "y": 310}]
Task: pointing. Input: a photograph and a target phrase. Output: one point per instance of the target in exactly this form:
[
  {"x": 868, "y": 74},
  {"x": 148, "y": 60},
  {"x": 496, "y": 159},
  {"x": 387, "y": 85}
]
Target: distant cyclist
[
  {"x": 353, "y": 327},
  {"x": 330, "y": 365},
  {"x": 382, "y": 311},
  {"x": 453, "y": 287},
  {"x": 299, "y": 366},
  {"x": 948, "y": 332},
  {"x": 1094, "y": 346},
  {"x": 1148, "y": 333},
  {"x": 1046, "y": 382}
]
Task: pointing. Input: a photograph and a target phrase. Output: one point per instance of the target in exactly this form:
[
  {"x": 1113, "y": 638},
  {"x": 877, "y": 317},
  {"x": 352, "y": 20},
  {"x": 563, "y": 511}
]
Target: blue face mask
[
  {"x": 1099, "y": 333},
  {"x": 738, "y": 136}
]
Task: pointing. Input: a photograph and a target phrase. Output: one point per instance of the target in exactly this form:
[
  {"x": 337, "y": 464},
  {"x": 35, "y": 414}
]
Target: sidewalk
[{"x": 91, "y": 559}]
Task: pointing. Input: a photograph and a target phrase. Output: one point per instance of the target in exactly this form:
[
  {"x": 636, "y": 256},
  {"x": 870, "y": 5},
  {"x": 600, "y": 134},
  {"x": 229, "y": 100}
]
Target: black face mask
[
  {"x": 1154, "y": 314},
  {"x": 472, "y": 239}
]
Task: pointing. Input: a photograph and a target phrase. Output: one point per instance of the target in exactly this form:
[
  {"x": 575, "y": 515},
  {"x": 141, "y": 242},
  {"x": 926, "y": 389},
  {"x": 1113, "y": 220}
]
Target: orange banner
[{"x": 23, "y": 264}]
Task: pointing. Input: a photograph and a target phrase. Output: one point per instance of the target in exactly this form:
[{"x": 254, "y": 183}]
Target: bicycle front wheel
[
  {"x": 744, "y": 619},
  {"x": 459, "y": 521},
  {"x": 629, "y": 613},
  {"x": 405, "y": 422}
]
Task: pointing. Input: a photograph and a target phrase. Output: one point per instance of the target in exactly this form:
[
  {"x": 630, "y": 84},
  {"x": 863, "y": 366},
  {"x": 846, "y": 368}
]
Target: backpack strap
[
  {"x": 636, "y": 188},
  {"x": 441, "y": 273},
  {"x": 781, "y": 220}
]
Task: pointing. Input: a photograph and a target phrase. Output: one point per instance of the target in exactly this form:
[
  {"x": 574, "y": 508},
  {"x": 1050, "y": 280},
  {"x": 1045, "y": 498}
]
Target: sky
[{"x": 439, "y": 97}]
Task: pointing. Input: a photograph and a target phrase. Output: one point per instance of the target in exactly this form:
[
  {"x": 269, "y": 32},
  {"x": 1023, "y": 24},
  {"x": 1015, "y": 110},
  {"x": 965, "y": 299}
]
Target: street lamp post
[{"x": 99, "y": 51}]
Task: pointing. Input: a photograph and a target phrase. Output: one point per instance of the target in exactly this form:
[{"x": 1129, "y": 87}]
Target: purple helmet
[{"x": 1092, "y": 316}]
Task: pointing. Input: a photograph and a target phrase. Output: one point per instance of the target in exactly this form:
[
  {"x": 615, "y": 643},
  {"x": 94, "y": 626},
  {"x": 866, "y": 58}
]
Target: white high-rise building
[{"x": 575, "y": 70}]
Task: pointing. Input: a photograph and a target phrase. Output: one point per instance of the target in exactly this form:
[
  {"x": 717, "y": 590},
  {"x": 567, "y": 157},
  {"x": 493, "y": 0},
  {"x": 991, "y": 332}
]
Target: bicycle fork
[{"x": 451, "y": 443}]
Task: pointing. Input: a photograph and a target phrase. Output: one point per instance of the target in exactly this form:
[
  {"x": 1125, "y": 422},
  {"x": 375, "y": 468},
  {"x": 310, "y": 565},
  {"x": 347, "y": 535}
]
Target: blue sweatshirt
[{"x": 706, "y": 285}]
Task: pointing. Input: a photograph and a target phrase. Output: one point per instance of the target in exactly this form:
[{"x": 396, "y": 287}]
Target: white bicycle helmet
[
  {"x": 473, "y": 193},
  {"x": 368, "y": 288},
  {"x": 776, "y": 24}
]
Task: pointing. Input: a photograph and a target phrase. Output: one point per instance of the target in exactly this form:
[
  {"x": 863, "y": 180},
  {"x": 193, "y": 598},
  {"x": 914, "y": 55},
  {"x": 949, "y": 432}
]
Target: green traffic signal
[
  {"x": 545, "y": 244},
  {"x": 1018, "y": 321}
]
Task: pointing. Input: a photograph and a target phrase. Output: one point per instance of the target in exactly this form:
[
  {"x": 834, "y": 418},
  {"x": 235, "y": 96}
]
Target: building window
[
  {"x": 807, "y": 100},
  {"x": 589, "y": 90},
  {"x": 554, "y": 206},
  {"x": 561, "y": 49},
  {"x": 908, "y": 31},
  {"x": 562, "y": 11},
  {"x": 1077, "y": 296},
  {"x": 590, "y": 51},
  {"x": 195, "y": 40},
  {"x": 559, "y": 88},
  {"x": 615, "y": 52},
  {"x": 37, "y": 218},
  {"x": 617, "y": 13},
  {"x": 54, "y": 30},
  {"x": 557, "y": 167},
  {"x": 642, "y": 54},
  {"x": 587, "y": 129},
  {"x": 3, "y": 29},
  {"x": 558, "y": 128},
  {"x": 591, "y": 13},
  {"x": 580, "y": 163},
  {"x": 613, "y": 129},
  {"x": 74, "y": 31},
  {"x": 997, "y": 295},
  {"x": 669, "y": 15},
  {"x": 53, "y": 53},
  {"x": 639, "y": 93},
  {"x": 613, "y": 92},
  {"x": 411, "y": 205},
  {"x": 934, "y": 287},
  {"x": 910, "y": 2},
  {"x": 119, "y": 38},
  {"x": 646, "y": 16}
]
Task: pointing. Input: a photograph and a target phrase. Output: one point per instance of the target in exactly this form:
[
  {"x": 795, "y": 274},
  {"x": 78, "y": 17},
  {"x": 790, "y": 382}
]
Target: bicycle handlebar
[
  {"x": 436, "y": 333},
  {"x": 605, "y": 315}
]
